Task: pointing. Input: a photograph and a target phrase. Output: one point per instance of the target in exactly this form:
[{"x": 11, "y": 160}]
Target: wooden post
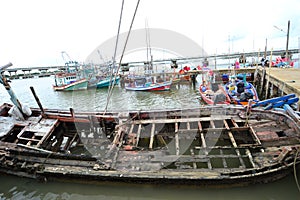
[
  {"x": 216, "y": 60},
  {"x": 256, "y": 69},
  {"x": 287, "y": 42},
  {"x": 265, "y": 55},
  {"x": 268, "y": 80},
  {"x": 37, "y": 101},
  {"x": 262, "y": 81}
]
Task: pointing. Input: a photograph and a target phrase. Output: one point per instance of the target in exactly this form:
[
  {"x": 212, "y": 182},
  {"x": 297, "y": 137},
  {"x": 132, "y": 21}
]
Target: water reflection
[{"x": 22, "y": 188}]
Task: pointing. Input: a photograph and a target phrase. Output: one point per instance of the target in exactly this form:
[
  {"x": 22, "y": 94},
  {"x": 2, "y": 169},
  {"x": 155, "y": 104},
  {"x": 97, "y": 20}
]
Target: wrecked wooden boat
[
  {"x": 208, "y": 145},
  {"x": 212, "y": 145}
]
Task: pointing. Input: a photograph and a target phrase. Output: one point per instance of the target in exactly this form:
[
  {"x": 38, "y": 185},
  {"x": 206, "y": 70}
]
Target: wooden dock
[{"x": 287, "y": 79}]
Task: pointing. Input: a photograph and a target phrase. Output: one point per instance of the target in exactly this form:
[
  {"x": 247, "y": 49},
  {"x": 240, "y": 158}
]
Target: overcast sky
[{"x": 34, "y": 32}]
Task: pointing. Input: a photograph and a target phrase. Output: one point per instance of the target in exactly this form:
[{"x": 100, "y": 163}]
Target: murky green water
[
  {"x": 179, "y": 96},
  {"x": 95, "y": 99}
]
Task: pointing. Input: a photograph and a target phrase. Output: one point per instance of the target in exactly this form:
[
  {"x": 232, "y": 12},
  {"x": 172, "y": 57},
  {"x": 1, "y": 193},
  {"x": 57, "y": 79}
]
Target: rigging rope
[
  {"x": 114, "y": 56},
  {"x": 122, "y": 55}
]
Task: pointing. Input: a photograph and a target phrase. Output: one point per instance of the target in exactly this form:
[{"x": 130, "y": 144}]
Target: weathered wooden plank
[
  {"x": 223, "y": 158},
  {"x": 35, "y": 148},
  {"x": 226, "y": 124},
  {"x": 254, "y": 136},
  {"x": 191, "y": 159},
  {"x": 131, "y": 128},
  {"x": 29, "y": 139},
  {"x": 193, "y": 154},
  {"x": 234, "y": 123},
  {"x": 138, "y": 135},
  {"x": 55, "y": 123},
  {"x": 188, "y": 125},
  {"x": 162, "y": 141},
  {"x": 183, "y": 120},
  {"x": 236, "y": 150},
  {"x": 205, "y": 150},
  {"x": 177, "y": 139},
  {"x": 199, "y": 126},
  {"x": 230, "y": 147},
  {"x": 152, "y": 136},
  {"x": 212, "y": 124},
  {"x": 71, "y": 141},
  {"x": 248, "y": 153}
]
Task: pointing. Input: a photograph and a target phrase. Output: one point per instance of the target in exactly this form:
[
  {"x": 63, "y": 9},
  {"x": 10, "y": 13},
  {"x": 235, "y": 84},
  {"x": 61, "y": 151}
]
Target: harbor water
[{"x": 180, "y": 96}]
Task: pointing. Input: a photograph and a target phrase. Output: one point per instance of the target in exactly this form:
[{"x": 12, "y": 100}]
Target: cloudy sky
[{"x": 35, "y": 32}]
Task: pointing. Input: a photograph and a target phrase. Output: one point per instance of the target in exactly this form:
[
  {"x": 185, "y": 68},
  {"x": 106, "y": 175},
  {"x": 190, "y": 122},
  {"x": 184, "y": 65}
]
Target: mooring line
[{"x": 295, "y": 170}]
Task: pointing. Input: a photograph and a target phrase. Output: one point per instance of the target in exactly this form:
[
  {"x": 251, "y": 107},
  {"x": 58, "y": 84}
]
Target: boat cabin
[{"x": 65, "y": 79}]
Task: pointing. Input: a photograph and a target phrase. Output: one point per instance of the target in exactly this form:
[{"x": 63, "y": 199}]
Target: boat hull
[
  {"x": 212, "y": 98},
  {"x": 147, "y": 148},
  {"x": 107, "y": 83},
  {"x": 238, "y": 99},
  {"x": 178, "y": 178},
  {"x": 153, "y": 87},
  {"x": 78, "y": 85}
]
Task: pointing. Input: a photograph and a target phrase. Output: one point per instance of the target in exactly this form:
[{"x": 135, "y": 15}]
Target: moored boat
[
  {"x": 241, "y": 91},
  {"x": 211, "y": 91},
  {"x": 213, "y": 94},
  {"x": 145, "y": 83},
  {"x": 69, "y": 82},
  {"x": 108, "y": 81},
  {"x": 71, "y": 78}
]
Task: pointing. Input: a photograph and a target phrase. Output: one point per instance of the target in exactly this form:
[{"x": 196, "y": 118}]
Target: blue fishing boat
[
  {"x": 108, "y": 81},
  {"x": 240, "y": 90}
]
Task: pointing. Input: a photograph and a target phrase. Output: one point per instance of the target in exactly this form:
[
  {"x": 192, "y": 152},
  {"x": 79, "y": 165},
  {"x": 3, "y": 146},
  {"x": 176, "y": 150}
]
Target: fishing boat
[
  {"x": 108, "y": 81},
  {"x": 213, "y": 94},
  {"x": 211, "y": 91},
  {"x": 69, "y": 82},
  {"x": 241, "y": 91},
  {"x": 71, "y": 79},
  {"x": 146, "y": 83},
  {"x": 205, "y": 146}
]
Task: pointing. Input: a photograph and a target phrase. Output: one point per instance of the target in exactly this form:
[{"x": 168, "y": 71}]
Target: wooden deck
[{"x": 288, "y": 79}]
